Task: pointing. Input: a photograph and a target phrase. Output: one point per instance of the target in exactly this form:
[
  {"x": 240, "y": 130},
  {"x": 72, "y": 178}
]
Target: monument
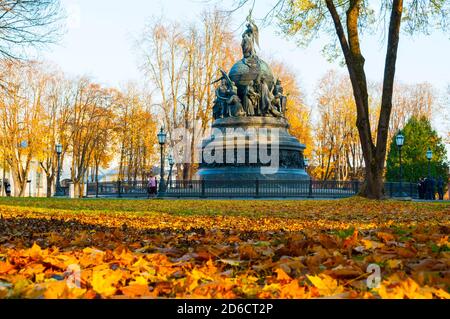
[{"x": 250, "y": 138}]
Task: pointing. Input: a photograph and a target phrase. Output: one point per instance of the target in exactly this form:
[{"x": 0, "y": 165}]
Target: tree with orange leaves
[{"x": 297, "y": 113}]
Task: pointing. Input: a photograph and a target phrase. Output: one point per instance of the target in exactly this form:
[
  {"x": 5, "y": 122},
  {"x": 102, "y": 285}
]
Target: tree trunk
[
  {"x": 17, "y": 191},
  {"x": 49, "y": 186},
  {"x": 19, "y": 185},
  {"x": 80, "y": 189},
  {"x": 186, "y": 171},
  {"x": 76, "y": 189},
  {"x": 373, "y": 186},
  {"x": 374, "y": 155},
  {"x": 96, "y": 179}
]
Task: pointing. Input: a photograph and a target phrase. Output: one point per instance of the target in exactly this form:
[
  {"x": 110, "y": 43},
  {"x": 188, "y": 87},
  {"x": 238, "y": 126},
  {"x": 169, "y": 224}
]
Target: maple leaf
[
  {"x": 91, "y": 257},
  {"x": 33, "y": 269},
  {"x": 344, "y": 272},
  {"x": 327, "y": 241},
  {"x": 139, "y": 280},
  {"x": 406, "y": 253},
  {"x": 55, "y": 290},
  {"x": 136, "y": 290},
  {"x": 21, "y": 285},
  {"x": 232, "y": 262},
  {"x": 351, "y": 241},
  {"x": 443, "y": 242},
  {"x": 3, "y": 292},
  {"x": 104, "y": 281},
  {"x": 210, "y": 267},
  {"x": 35, "y": 251},
  {"x": 197, "y": 275},
  {"x": 440, "y": 293},
  {"x": 326, "y": 285},
  {"x": 394, "y": 263},
  {"x": 396, "y": 288},
  {"x": 386, "y": 237},
  {"x": 370, "y": 244},
  {"x": 248, "y": 252},
  {"x": 272, "y": 287},
  {"x": 60, "y": 261},
  {"x": 282, "y": 275},
  {"x": 293, "y": 290},
  {"x": 5, "y": 267},
  {"x": 55, "y": 238}
]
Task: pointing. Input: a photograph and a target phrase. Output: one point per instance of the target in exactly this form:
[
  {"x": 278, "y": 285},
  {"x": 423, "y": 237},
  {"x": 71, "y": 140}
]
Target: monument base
[
  {"x": 251, "y": 174},
  {"x": 252, "y": 148}
]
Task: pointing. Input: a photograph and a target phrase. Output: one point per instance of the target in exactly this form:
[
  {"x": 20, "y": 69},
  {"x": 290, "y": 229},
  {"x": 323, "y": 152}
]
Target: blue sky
[{"x": 101, "y": 35}]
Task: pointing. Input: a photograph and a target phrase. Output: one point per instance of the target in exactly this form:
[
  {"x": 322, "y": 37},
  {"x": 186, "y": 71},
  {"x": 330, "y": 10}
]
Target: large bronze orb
[{"x": 245, "y": 71}]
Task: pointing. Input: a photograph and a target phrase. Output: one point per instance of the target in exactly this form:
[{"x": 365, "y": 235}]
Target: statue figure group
[
  {"x": 258, "y": 97},
  {"x": 227, "y": 101},
  {"x": 257, "y": 100}
]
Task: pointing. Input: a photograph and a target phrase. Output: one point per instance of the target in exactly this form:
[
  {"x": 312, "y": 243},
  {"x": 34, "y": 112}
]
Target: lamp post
[
  {"x": 400, "y": 140},
  {"x": 3, "y": 186},
  {"x": 29, "y": 188},
  {"x": 162, "y": 140},
  {"x": 171, "y": 163},
  {"x": 310, "y": 181},
  {"x": 58, "y": 191},
  {"x": 429, "y": 158}
]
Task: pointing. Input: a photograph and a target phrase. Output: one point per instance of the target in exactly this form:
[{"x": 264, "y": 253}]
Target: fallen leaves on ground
[{"x": 320, "y": 249}]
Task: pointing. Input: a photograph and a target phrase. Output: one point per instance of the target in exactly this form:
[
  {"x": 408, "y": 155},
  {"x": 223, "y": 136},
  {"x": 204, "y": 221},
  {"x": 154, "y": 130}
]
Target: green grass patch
[{"x": 353, "y": 208}]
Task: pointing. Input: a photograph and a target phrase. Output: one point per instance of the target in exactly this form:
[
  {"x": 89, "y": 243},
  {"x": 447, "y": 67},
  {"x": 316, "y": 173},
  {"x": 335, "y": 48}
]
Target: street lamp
[
  {"x": 58, "y": 191},
  {"x": 171, "y": 163},
  {"x": 162, "y": 140},
  {"x": 3, "y": 185},
  {"x": 310, "y": 186},
  {"x": 429, "y": 158},
  {"x": 400, "y": 140},
  {"x": 29, "y": 188}
]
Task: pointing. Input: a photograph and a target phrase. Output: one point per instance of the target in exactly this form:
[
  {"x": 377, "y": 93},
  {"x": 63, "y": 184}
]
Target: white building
[{"x": 37, "y": 187}]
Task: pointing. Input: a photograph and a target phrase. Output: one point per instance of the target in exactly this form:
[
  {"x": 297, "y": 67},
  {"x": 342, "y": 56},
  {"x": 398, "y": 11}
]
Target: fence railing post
[
  {"x": 310, "y": 195},
  {"x": 203, "y": 188},
  {"x": 411, "y": 190},
  {"x": 355, "y": 187},
  {"x": 391, "y": 185},
  {"x": 119, "y": 188},
  {"x": 257, "y": 188}
]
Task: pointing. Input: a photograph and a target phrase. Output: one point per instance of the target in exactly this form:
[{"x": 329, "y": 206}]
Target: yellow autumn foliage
[{"x": 222, "y": 249}]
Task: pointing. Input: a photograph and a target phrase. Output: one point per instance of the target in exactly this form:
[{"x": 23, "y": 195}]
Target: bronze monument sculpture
[{"x": 250, "y": 138}]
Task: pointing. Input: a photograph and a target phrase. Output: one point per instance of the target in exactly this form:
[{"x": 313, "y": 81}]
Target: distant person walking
[
  {"x": 440, "y": 188},
  {"x": 431, "y": 189},
  {"x": 7, "y": 185},
  {"x": 152, "y": 187},
  {"x": 421, "y": 188},
  {"x": 426, "y": 188}
]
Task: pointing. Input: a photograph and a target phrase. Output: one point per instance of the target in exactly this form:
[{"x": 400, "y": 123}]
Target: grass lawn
[{"x": 223, "y": 248}]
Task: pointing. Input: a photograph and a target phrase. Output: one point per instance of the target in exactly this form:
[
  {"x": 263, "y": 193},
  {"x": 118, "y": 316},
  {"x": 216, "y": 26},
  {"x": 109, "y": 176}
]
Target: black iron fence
[
  {"x": 247, "y": 189},
  {"x": 117, "y": 189},
  {"x": 262, "y": 189}
]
